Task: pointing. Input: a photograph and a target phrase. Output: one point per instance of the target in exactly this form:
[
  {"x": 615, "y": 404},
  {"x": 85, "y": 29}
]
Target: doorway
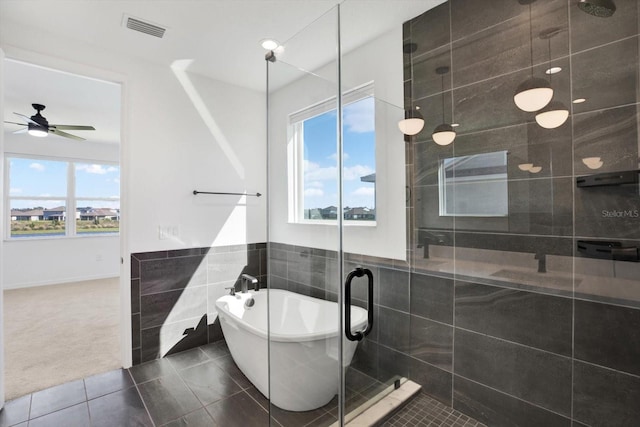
[{"x": 61, "y": 209}]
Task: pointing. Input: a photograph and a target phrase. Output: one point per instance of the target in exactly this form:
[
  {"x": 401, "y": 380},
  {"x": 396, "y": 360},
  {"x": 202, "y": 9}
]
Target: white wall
[
  {"x": 1, "y": 221},
  {"x": 379, "y": 61},
  {"x": 169, "y": 147}
]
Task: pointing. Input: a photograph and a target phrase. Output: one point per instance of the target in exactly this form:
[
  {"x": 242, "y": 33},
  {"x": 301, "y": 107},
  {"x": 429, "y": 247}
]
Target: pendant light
[
  {"x": 555, "y": 113},
  {"x": 443, "y": 134},
  {"x": 412, "y": 123},
  {"x": 533, "y": 93}
]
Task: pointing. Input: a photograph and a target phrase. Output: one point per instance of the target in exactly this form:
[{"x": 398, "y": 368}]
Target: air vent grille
[{"x": 144, "y": 27}]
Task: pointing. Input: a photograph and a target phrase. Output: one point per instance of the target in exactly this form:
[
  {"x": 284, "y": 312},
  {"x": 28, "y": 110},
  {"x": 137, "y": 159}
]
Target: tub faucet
[{"x": 245, "y": 279}]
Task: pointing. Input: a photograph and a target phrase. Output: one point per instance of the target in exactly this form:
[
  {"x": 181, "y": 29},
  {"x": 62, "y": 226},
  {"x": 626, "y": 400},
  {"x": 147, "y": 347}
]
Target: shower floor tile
[{"x": 425, "y": 411}]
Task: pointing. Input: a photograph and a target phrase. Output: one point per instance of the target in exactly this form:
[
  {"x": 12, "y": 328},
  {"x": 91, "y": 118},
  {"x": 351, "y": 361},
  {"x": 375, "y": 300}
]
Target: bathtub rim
[{"x": 358, "y": 319}]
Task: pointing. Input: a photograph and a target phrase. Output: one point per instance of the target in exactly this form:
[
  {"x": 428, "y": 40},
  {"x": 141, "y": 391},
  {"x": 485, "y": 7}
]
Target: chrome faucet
[{"x": 245, "y": 279}]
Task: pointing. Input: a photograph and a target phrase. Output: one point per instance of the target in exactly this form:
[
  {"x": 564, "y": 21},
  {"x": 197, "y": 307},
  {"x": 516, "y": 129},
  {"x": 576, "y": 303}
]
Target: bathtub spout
[{"x": 245, "y": 279}]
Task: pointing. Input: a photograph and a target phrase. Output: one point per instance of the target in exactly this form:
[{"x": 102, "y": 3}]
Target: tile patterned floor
[
  {"x": 201, "y": 387},
  {"x": 425, "y": 411}
]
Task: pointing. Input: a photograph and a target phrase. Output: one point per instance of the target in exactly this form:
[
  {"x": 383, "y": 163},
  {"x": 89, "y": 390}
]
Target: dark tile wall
[
  {"x": 507, "y": 321},
  {"x": 173, "y": 295}
]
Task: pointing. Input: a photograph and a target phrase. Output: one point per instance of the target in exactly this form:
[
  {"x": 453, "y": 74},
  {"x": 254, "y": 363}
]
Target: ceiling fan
[{"x": 37, "y": 125}]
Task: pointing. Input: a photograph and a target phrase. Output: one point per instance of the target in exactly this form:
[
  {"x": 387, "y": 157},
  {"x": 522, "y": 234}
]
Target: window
[
  {"x": 313, "y": 160},
  {"x": 42, "y": 191},
  {"x": 474, "y": 185}
]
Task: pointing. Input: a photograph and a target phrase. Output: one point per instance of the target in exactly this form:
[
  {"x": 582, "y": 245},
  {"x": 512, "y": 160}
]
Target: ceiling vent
[{"x": 137, "y": 24}]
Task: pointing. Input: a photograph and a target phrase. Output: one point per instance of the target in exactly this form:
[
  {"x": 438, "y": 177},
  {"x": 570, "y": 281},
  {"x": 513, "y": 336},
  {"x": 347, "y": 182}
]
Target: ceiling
[{"x": 220, "y": 37}]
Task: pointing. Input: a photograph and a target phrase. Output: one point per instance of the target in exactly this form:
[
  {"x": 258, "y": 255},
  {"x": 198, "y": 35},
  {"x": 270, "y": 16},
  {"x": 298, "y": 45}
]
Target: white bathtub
[{"x": 304, "y": 345}]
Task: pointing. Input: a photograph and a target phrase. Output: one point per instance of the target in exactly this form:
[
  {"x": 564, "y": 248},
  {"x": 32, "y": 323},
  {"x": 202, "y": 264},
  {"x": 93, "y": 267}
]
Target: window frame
[
  {"x": 295, "y": 163},
  {"x": 71, "y": 199}
]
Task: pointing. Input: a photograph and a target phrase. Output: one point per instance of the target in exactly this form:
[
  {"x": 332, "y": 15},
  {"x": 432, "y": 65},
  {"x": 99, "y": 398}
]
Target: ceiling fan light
[
  {"x": 38, "y": 131},
  {"x": 443, "y": 134},
  {"x": 553, "y": 115},
  {"x": 412, "y": 123},
  {"x": 533, "y": 94}
]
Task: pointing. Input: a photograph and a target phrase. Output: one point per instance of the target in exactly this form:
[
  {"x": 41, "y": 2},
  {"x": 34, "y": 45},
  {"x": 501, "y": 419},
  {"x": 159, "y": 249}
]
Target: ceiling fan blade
[
  {"x": 27, "y": 118},
  {"x": 72, "y": 127},
  {"x": 16, "y": 123},
  {"x": 25, "y": 130},
  {"x": 66, "y": 135}
]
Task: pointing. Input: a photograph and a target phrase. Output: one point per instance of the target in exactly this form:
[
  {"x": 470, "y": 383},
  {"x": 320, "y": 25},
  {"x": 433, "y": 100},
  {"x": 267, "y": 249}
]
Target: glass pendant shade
[
  {"x": 593, "y": 162},
  {"x": 553, "y": 115},
  {"x": 443, "y": 134},
  {"x": 412, "y": 123},
  {"x": 525, "y": 166},
  {"x": 533, "y": 94}
]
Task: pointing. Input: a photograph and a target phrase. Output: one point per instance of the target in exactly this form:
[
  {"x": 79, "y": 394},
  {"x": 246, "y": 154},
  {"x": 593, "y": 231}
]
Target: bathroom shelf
[{"x": 608, "y": 178}]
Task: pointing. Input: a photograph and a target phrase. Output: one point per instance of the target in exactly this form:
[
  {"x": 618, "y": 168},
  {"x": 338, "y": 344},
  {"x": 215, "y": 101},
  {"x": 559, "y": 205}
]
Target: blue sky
[
  {"x": 48, "y": 178},
  {"x": 320, "y": 171}
]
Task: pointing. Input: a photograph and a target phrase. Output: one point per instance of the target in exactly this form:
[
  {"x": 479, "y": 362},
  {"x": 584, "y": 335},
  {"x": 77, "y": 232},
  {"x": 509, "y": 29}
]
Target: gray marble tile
[
  {"x": 432, "y": 342},
  {"x": 611, "y": 135},
  {"x": 394, "y": 289},
  {"x": 606, "y": 76},
  {"x": 238, "y": 410},
  {"x": 432, "y": 110},
  {"x": 74, "y": 416},
  {"x": 536, "y": 320},
  {"x": 229, "y": 266},
  {"x": 608, "y": 335},
  {"x": 208, "y": 382},
  {"x": 108, "y": 382},
  {"x": 145, "y": 256},
  {"x": 135, "y": 330},
  {"x": 172, "y": 273},
  {"x": 151, "y": 370},
  {"x": 227, "y": 364},
  {"x": 391, "y": 365},
  {"x": 15, "y": 411},
  {"x": 365, "y": 358},
  {"x": 215, "y": 350},
  {"x": 470, "y": 17},
  {"x": 588, "y": 31},
  {"x": 426, "y": 81},
  {"x": 607, "y": 212},
  {"x": 435, "y": 382},
  {"x": 188, "y": 358},
  {"x": 122, "y": 408},
  {"x": 168, "y": 398},
  {"x": 393, "y": 328},
  {"x": 431, "y": 29},
  {"x": 501, "y": 410},
  {"x": 176, "y": 337},
  {"x": 198, "y": 418},
  {"x": 605, "y": 397},
  {"x": 432, "y": 297},
  {"x": 541, "y": 378},
  {"x": 135, "y": 268},
  {"x": 135, "y": 295},
  {"x": 56, "y": 398},
  {"x": 173, "y": 306},
  {"x": 505, "y": 46}
]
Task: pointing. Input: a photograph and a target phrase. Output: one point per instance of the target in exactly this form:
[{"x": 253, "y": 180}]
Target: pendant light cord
[
  {"x": 442, "y": 98},
  {"x": 531, "y": 39}
]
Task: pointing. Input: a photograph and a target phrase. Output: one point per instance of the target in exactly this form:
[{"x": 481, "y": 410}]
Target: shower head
[{"x": 599, "y": 8}]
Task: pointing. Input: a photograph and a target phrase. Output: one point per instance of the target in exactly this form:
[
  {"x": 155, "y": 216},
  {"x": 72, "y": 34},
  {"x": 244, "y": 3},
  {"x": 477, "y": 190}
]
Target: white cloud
[
  {"x": 45, "y": 195},
  {"x": 117, "y": 180},
  {"x": 364, "y": 191},
  {"x": 314, "y": 184},
  {"x": 37, "y": 166},
  {"x": 15, "y": 190},
  {"x": 334, "y": 157},
  {"x": 359, "y": 117},
  {"x": 355, "y": 172},
  {"x": 97, "y": 169},
  {"x": 313, "y": 192}
]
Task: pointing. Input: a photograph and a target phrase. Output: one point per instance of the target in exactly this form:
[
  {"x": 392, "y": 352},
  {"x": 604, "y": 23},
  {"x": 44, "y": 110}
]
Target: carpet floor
[{"x": 60, "y": 333}]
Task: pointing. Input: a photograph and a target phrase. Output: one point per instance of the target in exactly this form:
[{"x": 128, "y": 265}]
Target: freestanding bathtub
[{"x": 304, "y": 344}]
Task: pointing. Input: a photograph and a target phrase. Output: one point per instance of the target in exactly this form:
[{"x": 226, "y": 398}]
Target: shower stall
[
  {"x": 338, "y": 199},
  {"x": 496, "y": 250}
]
